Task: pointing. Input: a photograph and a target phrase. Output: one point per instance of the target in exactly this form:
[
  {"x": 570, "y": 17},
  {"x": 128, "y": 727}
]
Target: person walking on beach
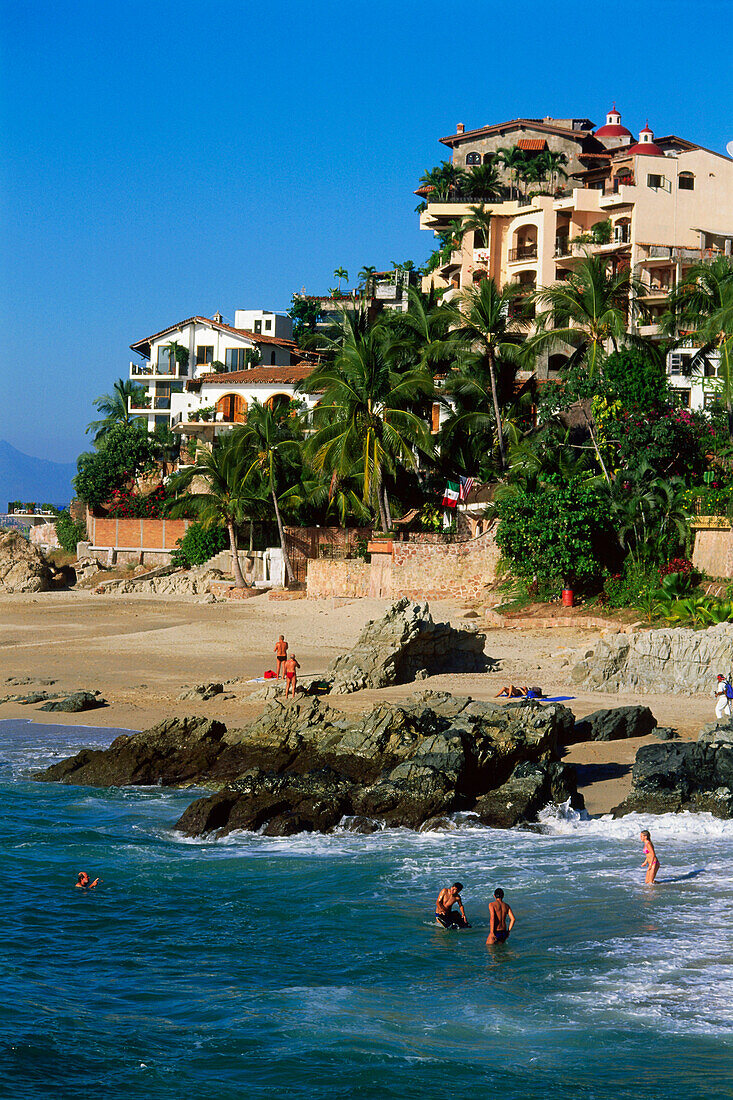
[
  {"x": 499, "y": 913},
  {"x": 444, "y": 914},
  {"x": 281, "y": 652},
  {"x": 83, "y": 883},
  {"x": 291, "y": 675},
  {"x": 723, "y": 697},
  {"x": 650, "y": 857}
]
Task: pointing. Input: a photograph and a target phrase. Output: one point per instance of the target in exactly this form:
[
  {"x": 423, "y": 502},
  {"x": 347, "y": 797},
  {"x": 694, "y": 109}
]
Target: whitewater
[{"x": 311, "y": 967}]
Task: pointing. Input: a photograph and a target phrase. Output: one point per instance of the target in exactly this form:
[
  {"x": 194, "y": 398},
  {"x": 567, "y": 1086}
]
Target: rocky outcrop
[
  {"x": 181, "y": 582},
  {"x": 22, "y": 567},
  {"x": 694, "y": 776},
  {"x": 307, "y": 766},
  {"x": 671, "y": 661},
  {"x": 615, "y": 724},
  {"x": 76, "y": 702},
  {"x": 404, "y": 645}
]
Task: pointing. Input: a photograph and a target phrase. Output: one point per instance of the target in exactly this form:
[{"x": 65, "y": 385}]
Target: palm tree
[
  {"x": 513, "y": 160},
  {"x": 265, "y": 442},
  {"x": 702, "y": 306},
  {"x": 533, "y": 171},
  {"x": 341, "y": 273},
  {"x": 446, "y": 179},
  {"x": 423, "y": 334},
  {"x": 479, "y": 220},
  {"x": 227, "y": 500},
  {"x": 366, "y": 414},
  {"x": 483, "y": 183},
  {"x": 588, "y": 310},
  {"x": 115, "y": 408},
  {"x": 554, "y": 165},
  {"x": 489, "y": 327},
  {"x": 366, "y": 277}
]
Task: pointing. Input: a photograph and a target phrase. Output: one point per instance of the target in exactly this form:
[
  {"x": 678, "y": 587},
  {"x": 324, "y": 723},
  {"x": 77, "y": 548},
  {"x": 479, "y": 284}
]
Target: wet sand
[{"x": 142, "y": 652}]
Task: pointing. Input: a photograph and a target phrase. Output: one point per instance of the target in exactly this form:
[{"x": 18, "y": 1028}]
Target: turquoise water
[{"x": 310, "y": 967}]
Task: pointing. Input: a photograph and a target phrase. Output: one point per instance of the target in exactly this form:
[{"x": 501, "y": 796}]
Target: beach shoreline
[{"x": 142, "y": 652}]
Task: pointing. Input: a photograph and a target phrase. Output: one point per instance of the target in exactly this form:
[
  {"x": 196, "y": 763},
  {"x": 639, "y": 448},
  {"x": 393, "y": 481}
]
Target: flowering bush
[
  {"x": 677, "y": 565},
  {"x": 127, "y": 504}
]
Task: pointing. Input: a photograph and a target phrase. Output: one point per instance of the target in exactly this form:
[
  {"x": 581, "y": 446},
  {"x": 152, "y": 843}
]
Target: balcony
[
  {"x": 563, "y": 247},
  {"x": 140, "y": 370},
  {"x": 523, "y": 252}
]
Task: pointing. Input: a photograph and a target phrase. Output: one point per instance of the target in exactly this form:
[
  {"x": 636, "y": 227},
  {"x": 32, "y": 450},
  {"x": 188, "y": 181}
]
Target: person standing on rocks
[
  {"x": 281, "y": 653},
  {"x": 444, "y": 914},
  {"x": 650, "y": 857},
  {"x": 499, "y": 913},
  {"x": 291, "y": 675},
  {"x": 724, "y": 697}
]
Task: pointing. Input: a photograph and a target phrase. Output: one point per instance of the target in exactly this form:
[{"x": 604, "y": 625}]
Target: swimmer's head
[
  {"x": 721, "y": 677},
  {"x": 645, "y": 834},
  {"x": 81, "y": 876},
  {"x": 499, "y": 893},
  {"x": 457, "y": 886}
]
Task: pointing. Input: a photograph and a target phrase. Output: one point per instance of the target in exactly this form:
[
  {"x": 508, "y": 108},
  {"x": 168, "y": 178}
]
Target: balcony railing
[
  {"x": 523, "y": 252},
  {"x": 138, "y": 370},
  {"x": 563, "y": 246}
]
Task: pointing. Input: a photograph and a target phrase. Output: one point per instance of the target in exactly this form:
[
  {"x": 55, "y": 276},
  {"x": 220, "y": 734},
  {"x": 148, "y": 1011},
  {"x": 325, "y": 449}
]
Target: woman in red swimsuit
[{"x": 650, "y": 857}]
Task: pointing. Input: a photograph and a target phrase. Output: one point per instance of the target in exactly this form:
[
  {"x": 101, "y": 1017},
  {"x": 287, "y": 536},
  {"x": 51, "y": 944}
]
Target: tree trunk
[
  {"x": 387, "y": 512},
  {"x": 497, "y": 411},
  {"x": 281, "y": 530},
  {"x": 382, "y": 515},
  {"x": 236, "y": 567},
  {"x": 251, "y": 535},
  {"x": 594, "y": 441}
]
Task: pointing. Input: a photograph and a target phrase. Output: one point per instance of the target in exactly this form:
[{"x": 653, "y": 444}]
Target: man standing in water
[
  {"x": 498, "y": 913},
  {"x": 444, "y": 905}
]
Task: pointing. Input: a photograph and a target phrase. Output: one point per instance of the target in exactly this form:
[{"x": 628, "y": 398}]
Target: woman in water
[{"x": 650, "y": 857}]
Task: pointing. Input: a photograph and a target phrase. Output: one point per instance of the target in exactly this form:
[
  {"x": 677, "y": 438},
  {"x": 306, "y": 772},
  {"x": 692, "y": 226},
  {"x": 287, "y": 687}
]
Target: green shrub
[
  {"x": 125, "y": 452},
  {"x": 629, "y": 587},
  {"x": 199, "y": 544},
  {"x": 558, "y": 536},
  {"x": 69, "y": 532}
]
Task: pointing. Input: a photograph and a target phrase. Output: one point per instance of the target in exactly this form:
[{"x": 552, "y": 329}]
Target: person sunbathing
[{"x": 512, "y": 692}]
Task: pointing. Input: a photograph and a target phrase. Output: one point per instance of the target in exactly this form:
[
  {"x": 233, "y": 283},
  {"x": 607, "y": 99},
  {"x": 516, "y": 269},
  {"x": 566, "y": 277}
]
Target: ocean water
[{"x": 310, "y": 966}]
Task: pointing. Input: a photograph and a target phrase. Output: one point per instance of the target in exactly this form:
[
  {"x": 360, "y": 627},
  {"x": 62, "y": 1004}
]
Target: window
[
  {"x": 488, "y": 158},
  {"x": 258, "y": 326},
  {"x": 273, "y": 357},
  {"x": 682, "y": 398},
  {"x": 268, "y": 326},
  {"x": 204, "y": 354},
  {"x": 166, "y": 360},
  {"x": 679, "y": 363},
  {"x": 236, "y": 358},
  {"x": 710, "y": 400},
  {"x": 654, "y": 181},
  {"x": 473, "y": 158},
  {"x": 686, "y": 181}
]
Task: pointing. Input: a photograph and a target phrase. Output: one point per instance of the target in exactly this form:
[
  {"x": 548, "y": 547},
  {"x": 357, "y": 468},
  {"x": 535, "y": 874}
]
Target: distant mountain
[{"x": 23, "y": 477}]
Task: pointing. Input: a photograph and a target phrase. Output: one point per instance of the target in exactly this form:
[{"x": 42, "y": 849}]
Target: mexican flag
[{"x": 450, "y": 495}]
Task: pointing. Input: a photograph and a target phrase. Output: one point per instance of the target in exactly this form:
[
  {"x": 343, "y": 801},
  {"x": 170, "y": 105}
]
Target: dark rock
[
  {"x": 530, "y": 788},
  {"x": 202, "y": 691},
  {"x": 716, "y": 732},
  {"x": 615, "y": 724},
  {"x": 34, "y": 697},
  {"x": 665, "y": 733},
  {"x": 77, "y": 701},
  {"x": 682, "y": 776}
]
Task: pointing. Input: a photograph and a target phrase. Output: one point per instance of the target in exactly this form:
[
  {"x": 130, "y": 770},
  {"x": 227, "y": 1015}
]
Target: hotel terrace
[{"x": 669, "y": 203}]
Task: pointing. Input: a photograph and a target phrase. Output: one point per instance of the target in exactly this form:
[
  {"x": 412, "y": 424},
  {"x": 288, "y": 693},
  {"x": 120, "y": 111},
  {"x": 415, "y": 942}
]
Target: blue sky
[{"x": 162, "y": 159}]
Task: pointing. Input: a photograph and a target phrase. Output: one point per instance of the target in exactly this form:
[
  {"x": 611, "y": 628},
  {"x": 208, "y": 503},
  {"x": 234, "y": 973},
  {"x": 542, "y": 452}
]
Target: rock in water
[
  {"x": 22, "y": 566},
  {"x": 615, "y": 724},
  {"x": 403, "y": 643},
  {"x": 305, "y": 766},
  {"x": 672, "y": 661},
  {"x": 694, "y": 776}
]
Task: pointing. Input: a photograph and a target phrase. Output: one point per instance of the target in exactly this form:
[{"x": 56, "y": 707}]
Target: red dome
[
  {"x": 609, "y": 130},
  {"x": 645, "y": 149}
]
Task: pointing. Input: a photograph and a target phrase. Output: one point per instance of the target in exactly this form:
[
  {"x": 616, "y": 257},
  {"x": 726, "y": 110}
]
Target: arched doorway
[
  {"x": 278, "y": 402},
  {"x": 231, "y": 409}
]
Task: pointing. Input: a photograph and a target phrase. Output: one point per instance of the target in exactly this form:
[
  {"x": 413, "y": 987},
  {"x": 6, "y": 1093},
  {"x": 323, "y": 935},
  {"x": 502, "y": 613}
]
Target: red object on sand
[
  {"x": 270, "y": 675},
  {"x": 567, "y": 597}
]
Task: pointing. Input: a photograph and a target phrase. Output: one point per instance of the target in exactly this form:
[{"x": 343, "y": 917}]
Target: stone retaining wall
[
  {"x": 424, "y": 568},
  {"x": 713, "y": 550}
]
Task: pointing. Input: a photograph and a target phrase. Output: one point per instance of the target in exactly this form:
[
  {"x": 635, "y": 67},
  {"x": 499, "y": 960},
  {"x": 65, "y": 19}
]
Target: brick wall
[
  {"x": 149, "y": 540},
  {"x": 424, "y": 568}
]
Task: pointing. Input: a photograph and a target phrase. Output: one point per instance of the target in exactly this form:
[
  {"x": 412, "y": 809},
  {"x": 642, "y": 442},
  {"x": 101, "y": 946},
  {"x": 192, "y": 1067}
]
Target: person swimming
[
  {"x": 444, "y": 914},
  {"x": 83, "y": 883},
  {"x": 499, "y": 911},
  {"x": 650, "y": 857}
]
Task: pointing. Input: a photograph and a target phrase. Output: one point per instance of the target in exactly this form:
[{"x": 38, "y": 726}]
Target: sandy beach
[{"x": 141, "y": 653}]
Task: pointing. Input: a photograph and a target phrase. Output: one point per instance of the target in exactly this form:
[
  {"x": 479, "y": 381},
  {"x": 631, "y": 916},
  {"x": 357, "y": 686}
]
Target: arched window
[
  {"x": 231, "y": 409},
  {"x": 686, "y": 181},
  {"x": 473, "y": 158},
  {"x": 488, "y": 158},
  {"x": 273, "y": 357}
]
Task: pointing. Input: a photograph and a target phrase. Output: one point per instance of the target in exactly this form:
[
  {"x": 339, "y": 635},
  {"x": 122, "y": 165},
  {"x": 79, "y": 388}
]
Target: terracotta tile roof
[
  {"x": 142, "y": 347},
  {"x": 259, "y": 376},
  {"x": 516, "y": 124},
  {"x": 532, "y": 145}
]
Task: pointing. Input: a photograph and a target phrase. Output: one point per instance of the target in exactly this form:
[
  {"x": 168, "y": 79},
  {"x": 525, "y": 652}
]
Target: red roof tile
[
  {"x": 532, "y": 145},
  {"x": 517, "y": 124},
  {"x": 259, "y": 376}
]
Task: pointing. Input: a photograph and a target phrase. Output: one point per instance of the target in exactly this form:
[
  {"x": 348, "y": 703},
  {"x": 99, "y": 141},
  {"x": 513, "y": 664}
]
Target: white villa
[{"x": 200, "y": 375}]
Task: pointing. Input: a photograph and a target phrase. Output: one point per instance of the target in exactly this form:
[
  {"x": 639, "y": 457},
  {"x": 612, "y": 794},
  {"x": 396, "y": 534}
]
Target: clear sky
[{"x": 172, "y": 157}]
